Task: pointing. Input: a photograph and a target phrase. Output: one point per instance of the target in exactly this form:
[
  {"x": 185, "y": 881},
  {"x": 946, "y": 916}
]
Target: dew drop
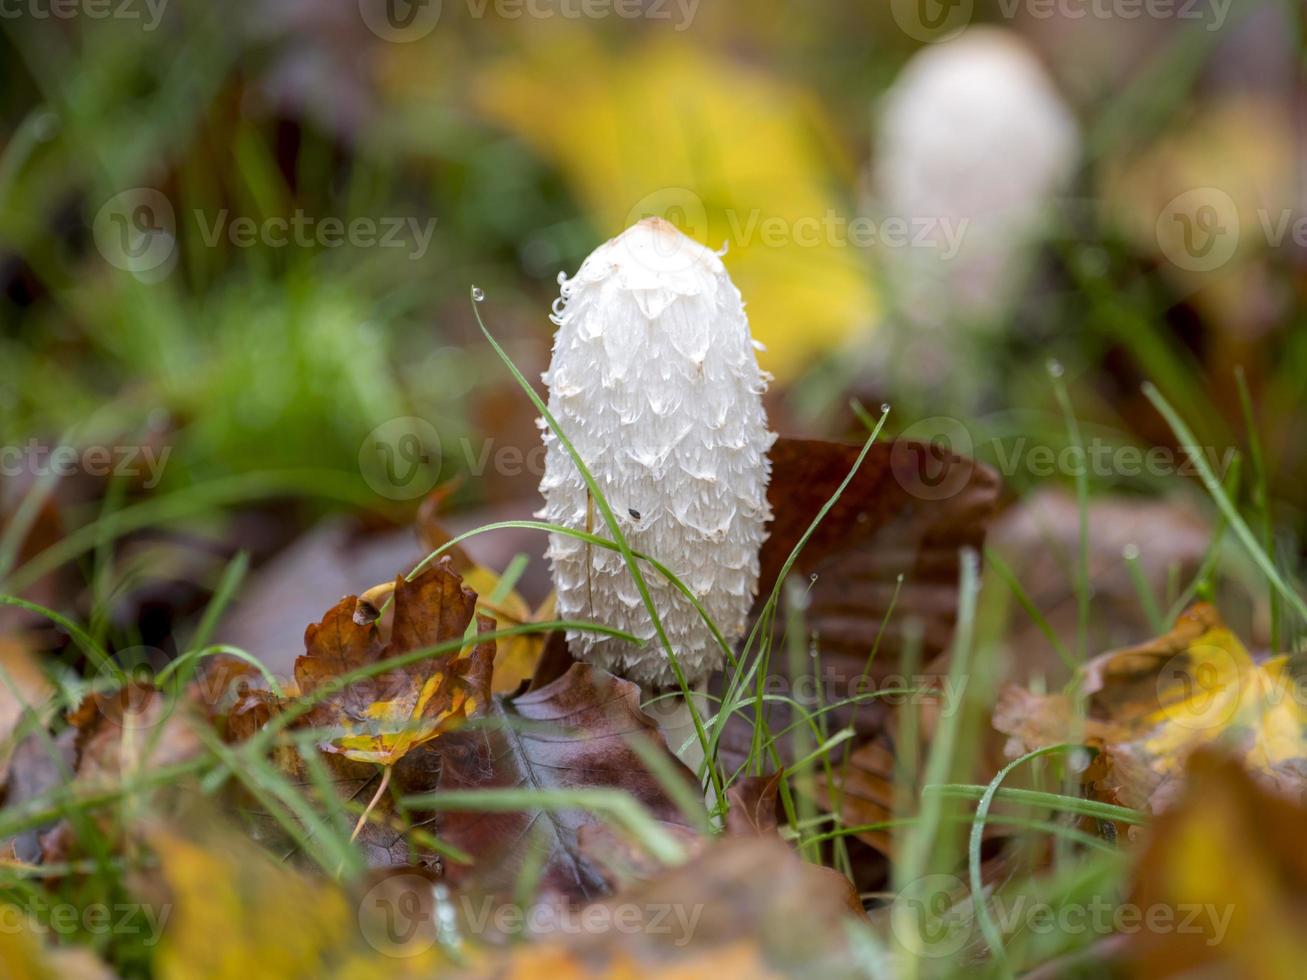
[
  {"x": 1054, "y": 367},
  {"x": 1130, "y": 552},
  {"x": 884, "y": 408},
  {"x": 478, "y": 294}
]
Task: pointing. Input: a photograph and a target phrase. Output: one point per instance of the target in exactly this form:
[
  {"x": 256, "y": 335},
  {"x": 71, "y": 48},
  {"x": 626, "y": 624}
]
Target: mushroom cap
[{"x": 655, "y": 380}]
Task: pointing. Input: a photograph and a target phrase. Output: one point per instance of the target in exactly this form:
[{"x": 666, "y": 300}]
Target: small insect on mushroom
[{"x": 654, "y": 379}]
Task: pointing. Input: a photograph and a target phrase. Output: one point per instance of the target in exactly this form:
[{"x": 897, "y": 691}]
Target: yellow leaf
[
  {"x": 1151, "y": 706},
  {"x": 240, "y": 918},
  {"x": 408, "y": 721},
  {"x": 23, "y": 957},
  {"x": 20, "y": 951},
  {"x": 515, "y": 656},
  {"x": 378, "y": 719},
  {"x": 236, "y": 914},
  {"x": 728, "y": 154},
  {"x": 1227, "y": 862}
]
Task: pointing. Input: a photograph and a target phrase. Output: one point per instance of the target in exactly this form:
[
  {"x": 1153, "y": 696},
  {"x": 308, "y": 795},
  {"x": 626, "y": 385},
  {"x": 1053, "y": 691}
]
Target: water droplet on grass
[{"x": 478, "y": 294}]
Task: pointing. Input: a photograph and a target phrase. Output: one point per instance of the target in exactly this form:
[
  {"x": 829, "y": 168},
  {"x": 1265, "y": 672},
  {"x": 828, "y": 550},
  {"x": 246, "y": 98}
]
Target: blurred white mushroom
[
  {"x": 655, "y": 381},
  {"x": 973, "y": 142}
]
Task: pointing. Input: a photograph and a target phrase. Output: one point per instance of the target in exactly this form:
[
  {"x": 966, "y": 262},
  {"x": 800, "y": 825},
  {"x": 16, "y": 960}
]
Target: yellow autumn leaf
[
  {"x": 551, "y": 962},
  {"x": 1229, "y": 855},
  {"x": 727, "y": 153},
  {"x": 237, "y": 914},
  {"x": 515, "y": 656},
  {"x": 234, "y": 919},
  {"x": 24, "y": 957},
  {"x": 380, "y": 718},
  {"x": 1151, "y": 706},
  {"x": 406, "y": 722},
  {"x": 20, "y": 953},
  {"x": 1228, "y": 692}
]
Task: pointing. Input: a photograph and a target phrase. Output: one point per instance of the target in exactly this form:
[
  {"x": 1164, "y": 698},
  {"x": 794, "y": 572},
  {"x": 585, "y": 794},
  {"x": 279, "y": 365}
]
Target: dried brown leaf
[{"x": 570, "y": 734}]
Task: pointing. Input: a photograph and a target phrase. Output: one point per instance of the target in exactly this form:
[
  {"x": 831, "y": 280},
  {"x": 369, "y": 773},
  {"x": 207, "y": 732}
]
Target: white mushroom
[{"x": 655, "y": 381}]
